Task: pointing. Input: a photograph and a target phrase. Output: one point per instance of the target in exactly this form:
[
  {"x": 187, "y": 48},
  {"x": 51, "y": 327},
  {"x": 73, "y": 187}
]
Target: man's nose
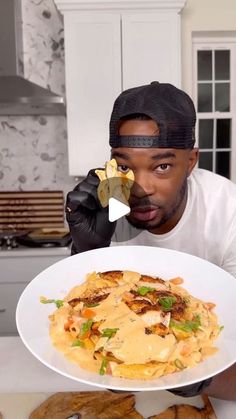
[{"x": 143, "y": 186}]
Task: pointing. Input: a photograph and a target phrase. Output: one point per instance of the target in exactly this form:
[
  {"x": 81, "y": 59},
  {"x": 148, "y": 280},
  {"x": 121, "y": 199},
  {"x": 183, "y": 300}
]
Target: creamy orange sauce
[
  {"x": 130, "y": 344},
  {"x": 84, "y": 358}
]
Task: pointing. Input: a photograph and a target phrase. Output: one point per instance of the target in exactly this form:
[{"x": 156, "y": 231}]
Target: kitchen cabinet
[
  {"x": 9, "y": 296},
  {"x": 111, "y": 46},
  {"x": 18, "y": 268}
]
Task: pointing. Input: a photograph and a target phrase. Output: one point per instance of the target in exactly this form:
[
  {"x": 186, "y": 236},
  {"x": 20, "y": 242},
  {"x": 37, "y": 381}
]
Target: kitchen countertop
[
  {"x": 36, "y": 251},
  {"x": 21, "y": 372}
]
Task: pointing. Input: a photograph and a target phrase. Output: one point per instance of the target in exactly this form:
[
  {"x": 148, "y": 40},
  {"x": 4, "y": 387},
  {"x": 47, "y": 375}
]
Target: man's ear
[{"x": 193, "y": 159}]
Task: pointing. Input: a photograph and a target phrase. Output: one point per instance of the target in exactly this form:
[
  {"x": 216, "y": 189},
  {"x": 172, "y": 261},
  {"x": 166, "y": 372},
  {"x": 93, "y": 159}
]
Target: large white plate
[{"x": 201, "y": 278}]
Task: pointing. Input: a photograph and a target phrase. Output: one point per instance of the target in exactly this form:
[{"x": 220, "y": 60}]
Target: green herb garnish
[
  {"x": 91, "y": 305},
  {"x": 179, "y": 364},
  {"x": 109, "y": 333},
  {"x": 188, "y": 325},
  {"x": 78, "y": 343},
  {"x": 145, "y": 290},
  {"x": 167, "y": 302},
  {"x": 103, "y": 367},
  {"x": 59, "y": 303},
  {"x": 86, "y": 327},
  {"x": 221, "y": 328},
  {"x": 186, "y": 300}
]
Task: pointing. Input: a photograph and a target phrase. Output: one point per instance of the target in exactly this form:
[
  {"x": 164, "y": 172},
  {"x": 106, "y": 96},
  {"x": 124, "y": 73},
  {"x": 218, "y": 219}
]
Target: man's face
[{"x": 159, "y": 195}]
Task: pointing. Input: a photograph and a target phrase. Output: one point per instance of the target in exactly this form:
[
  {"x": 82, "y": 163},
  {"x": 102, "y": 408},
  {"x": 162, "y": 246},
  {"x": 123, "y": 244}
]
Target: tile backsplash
[{"x": 33, "y": 149}]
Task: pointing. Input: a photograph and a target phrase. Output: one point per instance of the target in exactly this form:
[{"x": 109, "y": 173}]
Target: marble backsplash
[{"x": 33, "y": 149}]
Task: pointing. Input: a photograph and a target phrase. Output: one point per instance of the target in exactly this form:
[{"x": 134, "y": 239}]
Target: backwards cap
[{"x": 171, "y": 108}]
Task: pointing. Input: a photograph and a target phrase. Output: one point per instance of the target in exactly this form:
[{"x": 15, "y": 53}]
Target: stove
[
  {"x": 8, "y": 242},
  {"x": 9, "y": 239},
  {"x": 26, "y": 212},
  {"x": 41, "y": 238}
]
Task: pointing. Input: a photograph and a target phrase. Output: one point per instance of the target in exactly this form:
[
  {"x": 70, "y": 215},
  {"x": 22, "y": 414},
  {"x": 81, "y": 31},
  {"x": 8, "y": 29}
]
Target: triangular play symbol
[{"x": 117, "y": 209}]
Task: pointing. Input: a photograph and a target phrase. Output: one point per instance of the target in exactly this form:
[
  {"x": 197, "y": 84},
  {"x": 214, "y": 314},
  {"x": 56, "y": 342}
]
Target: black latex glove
[
  {"x": 87, "y": 220},
  {"x": 191, "y": 390}
]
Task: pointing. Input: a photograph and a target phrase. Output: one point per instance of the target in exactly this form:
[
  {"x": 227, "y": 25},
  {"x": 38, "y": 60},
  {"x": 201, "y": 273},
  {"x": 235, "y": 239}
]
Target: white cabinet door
[
  {"x": 18, "y": 268},
  {"x": 93, "y": 80},
  {"x": 150, "y": 48},
  {"x": 111, "y": 46},
  {"x": 9, "y": 296}
]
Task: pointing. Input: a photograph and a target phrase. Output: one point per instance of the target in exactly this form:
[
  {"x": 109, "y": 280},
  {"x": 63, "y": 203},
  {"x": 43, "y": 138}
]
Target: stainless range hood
[{"x": 19, "y": 96}]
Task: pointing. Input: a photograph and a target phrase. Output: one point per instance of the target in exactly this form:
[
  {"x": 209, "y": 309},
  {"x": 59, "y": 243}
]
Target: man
[{"x": 173, "y": 204}]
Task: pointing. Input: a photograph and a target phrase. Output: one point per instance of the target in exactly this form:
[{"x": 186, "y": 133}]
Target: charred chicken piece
[
  {"x": 147, "y": 278},
  {"x": 158, "y": 329},
  {"x": 111, "y": 275},
  {"x": 140, "y": 306},
  {"x": 93, "y": 299}
]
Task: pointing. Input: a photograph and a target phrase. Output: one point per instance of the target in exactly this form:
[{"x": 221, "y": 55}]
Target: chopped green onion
[
  {"x": 221, "y": 328},
  {"x": 179, "y": 364},
  {"x": 188, "y": 325},
  {"x": 86, "y": 326},
  {"x": 186, "y": 300},
  {"x": 108, "y": 333},
  {"x": 167, "y": 302},
  {"x": 59, "y": 303},
  {"x": 91, "y": 305},
  {"x": 145, "y": 290},
  {"x": 78, "y": 343},
  {"x": 103, "y": 367}
]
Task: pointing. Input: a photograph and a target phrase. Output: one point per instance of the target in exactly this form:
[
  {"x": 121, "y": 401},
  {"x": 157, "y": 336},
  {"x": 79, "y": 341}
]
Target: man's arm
[{"x": 223, "y": 385}]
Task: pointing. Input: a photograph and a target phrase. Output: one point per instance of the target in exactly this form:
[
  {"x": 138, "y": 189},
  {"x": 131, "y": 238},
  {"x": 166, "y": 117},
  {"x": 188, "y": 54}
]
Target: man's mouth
[{"x": 144, "y": 213}]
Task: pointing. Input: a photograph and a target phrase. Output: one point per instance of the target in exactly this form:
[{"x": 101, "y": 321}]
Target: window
[{"x": 215, "y": 98}]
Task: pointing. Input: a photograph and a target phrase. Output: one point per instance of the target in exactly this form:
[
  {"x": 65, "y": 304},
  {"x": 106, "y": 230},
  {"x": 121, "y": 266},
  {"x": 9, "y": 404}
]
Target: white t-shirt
[{"x": 207, "y": 228}]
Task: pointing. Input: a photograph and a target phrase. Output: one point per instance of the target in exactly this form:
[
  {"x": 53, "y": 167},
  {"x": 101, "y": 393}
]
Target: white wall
[{"x": 203, "y": 15}]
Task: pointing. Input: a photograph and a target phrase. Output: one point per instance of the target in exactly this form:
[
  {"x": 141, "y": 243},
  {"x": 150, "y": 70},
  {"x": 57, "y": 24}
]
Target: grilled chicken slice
[
  {"x": 158, "y": 329},
  {"x": 178, "y": 307},
  {"x": 147, "y": 278},
  {"x": 139, "y": 306},
  {"x": 93, "y": 299},
  {"x": 142, "y": 304},
  {"x": 111, "y": 275}
]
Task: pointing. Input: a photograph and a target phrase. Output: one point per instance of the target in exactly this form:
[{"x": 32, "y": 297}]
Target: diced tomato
[
  {"x": 177, "y": 280},
  {"x": 85, "y": 335},
  {"x": 87, "y": 313}
]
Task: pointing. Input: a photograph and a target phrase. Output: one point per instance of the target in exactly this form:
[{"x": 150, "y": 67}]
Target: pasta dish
[{"x": 133, "y": 325}]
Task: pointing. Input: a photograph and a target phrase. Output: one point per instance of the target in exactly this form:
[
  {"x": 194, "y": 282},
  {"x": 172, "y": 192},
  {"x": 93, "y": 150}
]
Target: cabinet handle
[{"x": 2, "y": 310}]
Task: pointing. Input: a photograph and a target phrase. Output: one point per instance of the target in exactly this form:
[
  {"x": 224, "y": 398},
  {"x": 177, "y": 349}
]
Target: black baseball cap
[{"x": 171, "y": 108}]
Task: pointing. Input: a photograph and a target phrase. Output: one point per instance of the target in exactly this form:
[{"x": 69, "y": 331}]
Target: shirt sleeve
[{"x": 229, "y": 258}]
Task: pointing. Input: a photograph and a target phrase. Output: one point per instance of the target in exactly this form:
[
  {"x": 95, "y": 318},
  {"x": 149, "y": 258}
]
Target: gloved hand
[
  {"x": 89, "y": 225},
  {"x": 191, "y": 390}
]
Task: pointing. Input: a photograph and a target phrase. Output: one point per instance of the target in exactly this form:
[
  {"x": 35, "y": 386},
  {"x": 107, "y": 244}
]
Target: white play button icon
[{"x": 117, "y": 209}]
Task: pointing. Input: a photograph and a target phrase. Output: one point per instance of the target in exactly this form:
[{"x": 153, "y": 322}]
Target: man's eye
[
  {"x": 122, "y": 168},
  {"x": 163, "y": 168}
]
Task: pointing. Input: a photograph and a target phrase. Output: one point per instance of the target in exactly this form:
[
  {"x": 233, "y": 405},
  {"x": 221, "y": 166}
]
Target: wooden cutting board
[
  {"x": 31, "y": 209},
  {"x": 19, "y": 406}
]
